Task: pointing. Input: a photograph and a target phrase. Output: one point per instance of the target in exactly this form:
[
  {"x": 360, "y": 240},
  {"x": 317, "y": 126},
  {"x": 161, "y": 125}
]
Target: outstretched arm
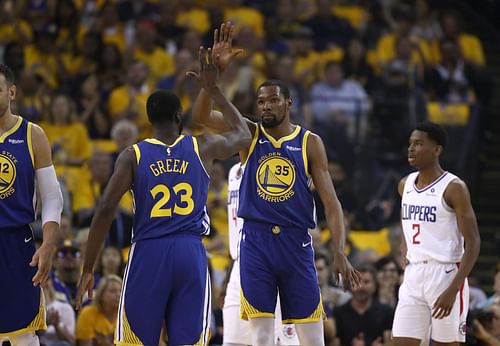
[
  {"x": 318, "y": 166},
  {"x": 457, "y": 197},
  {"x": 119, "y": 183},
  {"x": 238, "y": 136},
  {"x": 223, "y": 53}
]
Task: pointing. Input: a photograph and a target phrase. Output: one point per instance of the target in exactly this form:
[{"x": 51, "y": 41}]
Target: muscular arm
[
  {"x": 457, "y": 197},
  {"x": 318, "y": 165},
  {"x": 318, "y": 168},
  {"x": 43, "y": 256},
  {"x": 402, "y": 246},
  {"x": 235, "y": 139},
  {"x": 120, "y": 182}
]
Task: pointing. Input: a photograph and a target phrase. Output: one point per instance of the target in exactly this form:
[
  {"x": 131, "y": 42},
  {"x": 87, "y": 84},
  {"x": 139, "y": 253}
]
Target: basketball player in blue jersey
[
  {"x": 25, "y": 165},
  {"x": 437, "y": 220},
  {"x": 166, "y": 279},
  {"x": 276, "y": 252}
]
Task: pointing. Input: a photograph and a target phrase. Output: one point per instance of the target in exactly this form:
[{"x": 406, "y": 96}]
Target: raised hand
[
  {"x": 223, "y": 46},
  {"x": 209, "y": 73}
]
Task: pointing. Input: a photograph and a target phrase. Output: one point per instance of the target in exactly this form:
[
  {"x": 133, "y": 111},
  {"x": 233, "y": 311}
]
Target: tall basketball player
[
  {"x": 166, "y": 279},
  {"x": 276, "y": 251},
  {"x": 236, "y": 330},
  {"x": 25, "y": 164},
  {"x": 437, "y": 219}
]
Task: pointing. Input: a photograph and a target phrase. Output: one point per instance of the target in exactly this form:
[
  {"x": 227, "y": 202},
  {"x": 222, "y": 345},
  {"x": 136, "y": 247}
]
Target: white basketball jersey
[
  {"x": 235, "y": 224},
  {"x": 429, "y": 224}
]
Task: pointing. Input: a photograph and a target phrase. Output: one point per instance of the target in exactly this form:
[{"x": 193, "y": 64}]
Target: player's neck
[
  {"x": 7, "y": 120},
  {"x": 167, "y": 134},
  {"x": 284, "y": 129},
  {"x": 427, "y": 176}
]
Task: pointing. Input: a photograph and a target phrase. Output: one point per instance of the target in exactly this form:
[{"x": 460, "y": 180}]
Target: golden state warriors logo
[
  {"x": 7, "y": 176},
  {"x": 275, "y": 178}
]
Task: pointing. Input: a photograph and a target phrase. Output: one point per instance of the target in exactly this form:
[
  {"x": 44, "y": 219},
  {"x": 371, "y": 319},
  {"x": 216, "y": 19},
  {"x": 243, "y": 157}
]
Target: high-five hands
[
  {"x": 209, "y": 73},
  {"x": 223, "y": 46}
]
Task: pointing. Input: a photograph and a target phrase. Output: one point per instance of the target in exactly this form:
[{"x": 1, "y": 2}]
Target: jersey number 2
[
  {"x": 416, "y": 228},
  {"x": 183, "y": 190}
]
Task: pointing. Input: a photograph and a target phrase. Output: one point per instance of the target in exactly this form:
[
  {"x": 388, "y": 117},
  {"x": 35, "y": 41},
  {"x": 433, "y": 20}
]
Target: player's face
[
  {"x": 7, "y": 94},
  {"x": 422, "y": 151},
  {"x": 272, "y": 107}
]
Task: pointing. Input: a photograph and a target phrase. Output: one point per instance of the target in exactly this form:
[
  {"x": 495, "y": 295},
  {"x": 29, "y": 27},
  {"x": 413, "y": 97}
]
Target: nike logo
[
  {"x": 263, "y": 141},
  {"x": 409, "y": 191},
  {"x": 449, "y": 271},
  {"x": 26, "y": 240},
  {"x": 306, "y": 244}
]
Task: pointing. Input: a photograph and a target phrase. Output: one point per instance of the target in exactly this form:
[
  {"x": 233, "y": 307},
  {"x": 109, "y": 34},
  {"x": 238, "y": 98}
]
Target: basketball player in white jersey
[
  {"x": 236, "y": 330},
  {"x": 437, "y": 219}
]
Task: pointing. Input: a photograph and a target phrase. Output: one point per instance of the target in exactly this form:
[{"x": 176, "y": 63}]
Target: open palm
[{"x": 223, "y": 46}]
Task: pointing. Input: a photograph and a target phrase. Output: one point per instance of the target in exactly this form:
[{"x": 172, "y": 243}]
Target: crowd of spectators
[{"x": 361, "y": 74}]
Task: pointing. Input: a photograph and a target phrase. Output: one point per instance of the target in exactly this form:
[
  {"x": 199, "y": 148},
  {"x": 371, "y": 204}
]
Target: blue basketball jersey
[
  {"x": 17, "y": 176},
  {"x": 170, "y": 189},
  {"x": 275, "y": 187}
]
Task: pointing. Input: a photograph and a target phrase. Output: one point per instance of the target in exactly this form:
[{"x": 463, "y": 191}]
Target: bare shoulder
[
  {"x": 37, "y": 132},
  {"x": 401, "y": 185},
  {"x": 41, "y": 147},
  {"x": 456, "y": 189},
  {"x": 314, "y": 145},
  {"x": 252, "y": 126}
]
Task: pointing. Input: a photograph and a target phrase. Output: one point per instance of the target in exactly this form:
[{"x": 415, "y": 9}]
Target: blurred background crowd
[{"x": 362, "y": 73}]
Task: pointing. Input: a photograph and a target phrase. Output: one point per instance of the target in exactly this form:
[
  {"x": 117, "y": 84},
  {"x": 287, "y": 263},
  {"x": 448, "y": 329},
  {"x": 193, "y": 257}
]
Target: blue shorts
[
  {"x": 166, "y": 279},
  {"x": 275, "y": 258},
  {"x": 21, "y": 305}
]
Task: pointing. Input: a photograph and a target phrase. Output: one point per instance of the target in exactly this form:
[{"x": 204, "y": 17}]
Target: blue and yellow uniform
[
  {"x": 276, "y": 249},
  {"x": 21, "y": 304},
  {"x": 167, "y": 273}
]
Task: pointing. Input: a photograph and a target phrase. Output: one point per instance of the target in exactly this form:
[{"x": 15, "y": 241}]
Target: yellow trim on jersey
[
  {"x": 304, "y": 151},
  {"x": 30, "y": 143},
  {"x": 317, "y": 315},
  {"x": 137, "y": 152},
  {"x": 252, "y": 145},
  {"x": 38, "y": 322},
  {"x": 202, "y": 337},
  {"x": 12, "y": 129},
  {"x": 157, "y": 141},
  {"x": 196, "y": 149},
  {"x": 277, "y": 143},
  {"x": 129, "y": 337},
  {"x": 247, "y": 311}
]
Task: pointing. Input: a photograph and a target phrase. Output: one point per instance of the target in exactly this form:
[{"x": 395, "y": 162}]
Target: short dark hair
[
  {"x": 434, "y": 131},
  {"x": 163, "y": 106},
  {"x": 280, "y": 84},
  {"x": 8, "y": 73}
]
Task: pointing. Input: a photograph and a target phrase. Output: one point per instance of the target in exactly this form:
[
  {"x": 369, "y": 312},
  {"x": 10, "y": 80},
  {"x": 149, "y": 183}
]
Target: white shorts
[
  {"x": 236, "y": 330},
  {"x": 422, "y": 285}
]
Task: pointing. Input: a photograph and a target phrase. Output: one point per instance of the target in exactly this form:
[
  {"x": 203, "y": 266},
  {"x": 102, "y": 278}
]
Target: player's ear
[
  {"x": 12, "y": 92},
  {"x": 438, "y": 149}
]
